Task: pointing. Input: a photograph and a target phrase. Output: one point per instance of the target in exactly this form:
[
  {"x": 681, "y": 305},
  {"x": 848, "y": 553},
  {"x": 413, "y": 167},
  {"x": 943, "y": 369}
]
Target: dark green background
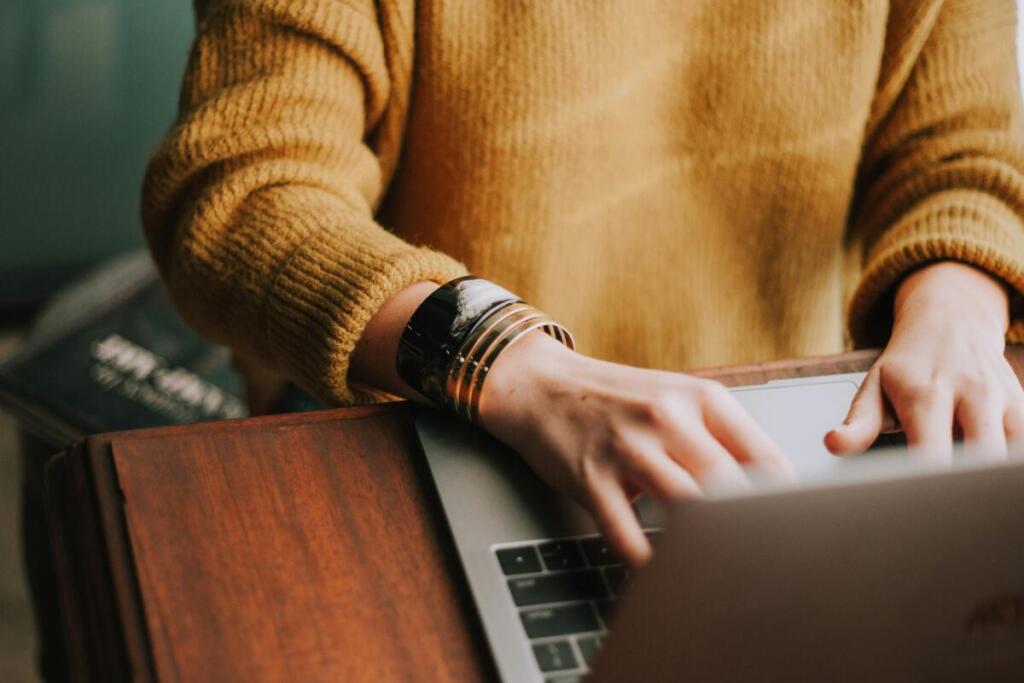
[{"x": 87, "y": 87}]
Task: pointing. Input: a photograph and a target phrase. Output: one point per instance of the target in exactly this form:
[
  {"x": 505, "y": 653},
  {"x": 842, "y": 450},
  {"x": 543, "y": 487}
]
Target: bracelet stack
[{"x": 452, "y": 341}]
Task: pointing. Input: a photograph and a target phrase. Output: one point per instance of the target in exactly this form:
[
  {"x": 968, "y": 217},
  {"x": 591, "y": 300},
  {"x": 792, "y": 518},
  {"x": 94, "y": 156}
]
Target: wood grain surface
[
  {"x": 302, "y": 550},
  {"x": 304, "y": 547}
]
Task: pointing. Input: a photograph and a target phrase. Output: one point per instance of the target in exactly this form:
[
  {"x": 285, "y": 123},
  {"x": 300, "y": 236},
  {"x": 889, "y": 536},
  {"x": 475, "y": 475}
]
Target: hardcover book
[{"x": 111, "y": 353}]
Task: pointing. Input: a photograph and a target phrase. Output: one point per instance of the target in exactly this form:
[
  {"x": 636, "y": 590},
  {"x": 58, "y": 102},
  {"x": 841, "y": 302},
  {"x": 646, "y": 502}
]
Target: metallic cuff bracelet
[{"x": 454, "y": 337}]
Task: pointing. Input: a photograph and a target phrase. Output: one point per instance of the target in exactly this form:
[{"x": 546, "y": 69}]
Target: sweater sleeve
[
  {"x": 942, "y": 170},
  {"x": 258, "y": 205}
]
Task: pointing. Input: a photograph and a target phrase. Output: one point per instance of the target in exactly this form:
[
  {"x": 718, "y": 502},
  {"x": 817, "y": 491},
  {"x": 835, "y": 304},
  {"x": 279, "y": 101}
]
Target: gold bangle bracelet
[
  {"x": 463, "y": 381},
  {"x": 476, "y": 389},
  {"x": 496, "y": 332},
  {"x": 465, "y": 355},
  {"x": 501, "y": 342}
]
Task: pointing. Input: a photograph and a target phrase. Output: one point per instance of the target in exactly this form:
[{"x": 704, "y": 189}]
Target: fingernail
[{"x": 827, "y": 439}]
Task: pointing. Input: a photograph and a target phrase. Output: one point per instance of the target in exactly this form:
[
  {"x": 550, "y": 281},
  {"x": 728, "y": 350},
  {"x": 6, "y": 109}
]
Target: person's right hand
[
  {"x": 599, "y": 432},
  {"x": 604, "y": 433}
]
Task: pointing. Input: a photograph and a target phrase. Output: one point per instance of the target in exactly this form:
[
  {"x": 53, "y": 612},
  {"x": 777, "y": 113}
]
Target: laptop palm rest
[
  {"x": 475, "y": 474},
  {"x": 491, "y": 497}
]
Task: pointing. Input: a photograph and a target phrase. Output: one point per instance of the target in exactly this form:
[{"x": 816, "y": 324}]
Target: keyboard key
[
  {"x": 559, "y": 621},
  {"x": 605, "y": 609},
  {"x": 893, "y": 440},
  {"x": 567, "y": 587},
  {"x": 618, "y": 578},
  {"x": 588, "y": 646},
  {"x": 561, "y": 555},
  {"x": 598, "y": 553},
  {"x": 555, "y": 656},
  {"x": 519, "y": 560}
]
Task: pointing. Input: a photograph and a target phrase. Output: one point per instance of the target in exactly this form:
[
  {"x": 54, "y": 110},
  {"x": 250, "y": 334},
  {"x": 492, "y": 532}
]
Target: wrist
[
  {"x": 956, "y": 292},
  {"x": 455, "y": 337},
  {"x": 373, "y": 359},
  {"x": 522, "y": 376}
]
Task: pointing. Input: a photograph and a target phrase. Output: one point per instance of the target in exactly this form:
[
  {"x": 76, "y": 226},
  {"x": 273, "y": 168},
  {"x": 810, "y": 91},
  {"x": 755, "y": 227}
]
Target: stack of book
[{"x": 111, "y": 353}]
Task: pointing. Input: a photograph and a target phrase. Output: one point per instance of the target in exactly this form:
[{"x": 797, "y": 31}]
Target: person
[{"x": 678, "y": 184}]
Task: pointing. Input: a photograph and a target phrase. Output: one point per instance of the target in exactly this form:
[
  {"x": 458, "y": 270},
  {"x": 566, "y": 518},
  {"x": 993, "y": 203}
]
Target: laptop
[{"x": 843, "y": 577}]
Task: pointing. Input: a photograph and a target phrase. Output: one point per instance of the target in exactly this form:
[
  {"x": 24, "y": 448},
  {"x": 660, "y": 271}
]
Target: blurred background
[{"x": 86, "y": 89}]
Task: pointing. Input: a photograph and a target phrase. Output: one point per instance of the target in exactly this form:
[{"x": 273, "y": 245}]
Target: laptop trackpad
[{"x": 796, "y": 416}]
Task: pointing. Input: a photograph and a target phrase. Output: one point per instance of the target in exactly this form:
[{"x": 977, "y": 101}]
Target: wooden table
[{"x": 305, "y": 547}]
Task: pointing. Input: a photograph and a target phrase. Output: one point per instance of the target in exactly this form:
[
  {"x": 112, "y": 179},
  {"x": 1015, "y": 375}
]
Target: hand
[
  {"x": 942, "y": 371},
  {"x": 603, "y": 433}
]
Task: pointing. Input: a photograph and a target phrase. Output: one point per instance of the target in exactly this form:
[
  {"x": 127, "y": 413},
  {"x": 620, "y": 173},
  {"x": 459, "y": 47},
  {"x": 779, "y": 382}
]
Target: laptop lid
[{"x": 917, "y": 577}]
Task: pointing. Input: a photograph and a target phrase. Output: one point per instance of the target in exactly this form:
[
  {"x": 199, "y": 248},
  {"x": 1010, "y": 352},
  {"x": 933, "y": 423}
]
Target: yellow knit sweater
[{"x": 681, "y": 183}]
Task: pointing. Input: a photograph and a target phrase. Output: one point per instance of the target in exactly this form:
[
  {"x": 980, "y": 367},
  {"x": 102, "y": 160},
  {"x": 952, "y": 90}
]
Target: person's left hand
[{"x": 943, "y": 371}]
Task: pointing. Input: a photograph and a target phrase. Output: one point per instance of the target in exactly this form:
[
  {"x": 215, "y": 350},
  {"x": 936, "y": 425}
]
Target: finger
[
  {"x": 1013, "y": 420},
  {"x": 869, "y": 416},
  {"x": 710, "y": 464},
  {"x": 734, "y": 428},
  {"x": 981, "y": 418},
  {"x": 927, "y": 419},
  {"x": 618, "y": 523},
  {"x": 651, "y": 469}
]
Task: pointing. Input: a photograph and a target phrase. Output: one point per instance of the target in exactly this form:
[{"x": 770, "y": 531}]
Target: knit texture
[{"x": 682, "y": 184}]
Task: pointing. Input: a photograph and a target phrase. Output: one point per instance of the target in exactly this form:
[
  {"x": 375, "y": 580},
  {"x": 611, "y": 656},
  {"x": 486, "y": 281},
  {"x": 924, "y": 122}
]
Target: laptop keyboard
[{"x": 564, "y": 592}]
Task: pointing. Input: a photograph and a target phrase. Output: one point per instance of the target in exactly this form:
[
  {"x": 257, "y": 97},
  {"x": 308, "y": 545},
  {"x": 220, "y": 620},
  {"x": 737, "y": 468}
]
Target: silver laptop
[{"x": 871, "y": 569}]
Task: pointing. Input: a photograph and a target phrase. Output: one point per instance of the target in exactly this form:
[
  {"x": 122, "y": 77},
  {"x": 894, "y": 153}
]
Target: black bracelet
[{"x": 437, "y": 329}]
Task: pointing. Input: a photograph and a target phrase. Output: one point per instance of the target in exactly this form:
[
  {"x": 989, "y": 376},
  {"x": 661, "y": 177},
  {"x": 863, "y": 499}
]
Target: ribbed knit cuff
[
  {"x": 969, "y": 226},
  {"x": 327, "y": 291}
]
